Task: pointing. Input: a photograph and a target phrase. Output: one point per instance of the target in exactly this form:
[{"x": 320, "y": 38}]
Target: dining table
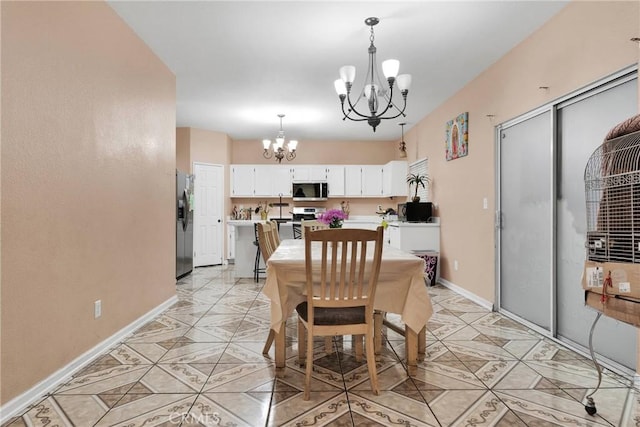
[{"x": 400, "y": 289}]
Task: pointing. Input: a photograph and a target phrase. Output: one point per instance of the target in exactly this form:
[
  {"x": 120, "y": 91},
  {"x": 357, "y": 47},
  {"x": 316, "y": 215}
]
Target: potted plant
[{"x": 417, "y": 180}]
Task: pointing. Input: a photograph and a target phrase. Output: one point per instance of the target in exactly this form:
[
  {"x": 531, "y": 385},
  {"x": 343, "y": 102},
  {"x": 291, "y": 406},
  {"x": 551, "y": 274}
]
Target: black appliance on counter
[{"x": 415, "y": 211}]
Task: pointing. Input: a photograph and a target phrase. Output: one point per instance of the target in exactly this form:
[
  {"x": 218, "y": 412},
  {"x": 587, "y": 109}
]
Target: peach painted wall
[
  {"x": 88, "y": 184},
  {"x": 210, "y": 147},
  {"x": 183, "y": 149},
  {"x": 583, "y": 43},
  {"x": 312, "y": 152}
]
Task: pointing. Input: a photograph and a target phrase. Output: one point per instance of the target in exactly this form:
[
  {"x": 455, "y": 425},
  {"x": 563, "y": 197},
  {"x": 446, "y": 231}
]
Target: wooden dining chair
[
  {"x": 266, "y": 242},
  {"x": 341, "y": 284},
  {"x": 275, "y": 233},
  {"x": 307, "y": 225}
]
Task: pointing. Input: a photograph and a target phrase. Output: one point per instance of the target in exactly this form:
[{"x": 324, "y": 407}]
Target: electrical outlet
[
  {"x": 455, "y": 264},
  {"x": 485, "y": 203},
  {"x": 97, "y": 309}
]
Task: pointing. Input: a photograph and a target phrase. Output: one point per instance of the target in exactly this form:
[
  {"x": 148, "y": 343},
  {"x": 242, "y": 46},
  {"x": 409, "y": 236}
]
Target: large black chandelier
[{"x": 375, "y": 92}]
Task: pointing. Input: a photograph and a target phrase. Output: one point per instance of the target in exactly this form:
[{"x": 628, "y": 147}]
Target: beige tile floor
[{"x": 200, "y": 364}]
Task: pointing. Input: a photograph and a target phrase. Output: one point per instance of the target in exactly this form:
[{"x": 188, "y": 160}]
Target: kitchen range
[{"x": 307, "y": 213}]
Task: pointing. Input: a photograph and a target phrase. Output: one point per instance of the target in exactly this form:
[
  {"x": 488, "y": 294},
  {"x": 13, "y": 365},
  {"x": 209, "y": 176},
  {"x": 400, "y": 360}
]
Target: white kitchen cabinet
[
  {"x": 260, "y": 181},
  {"x": 372, "y": 180},
  {"x": 394, "y": 179},
  {"x": 281, "y": 181},
  {"x": 231, "y": 242},
  {"x": 363, "y": 180},
  {"x": 343, "y": 180},
  {"x": 335, "y": 181},
  {"x": 263, "y": 180},
  {"x": 393, "y": 236},
  {"x": 353, "y": 181},
  {"x": 415, "y": 236},
  {"x": 409, "y": 237},
  {"x": 310, "y": 173},
  {"x": 242, "y": 180}
]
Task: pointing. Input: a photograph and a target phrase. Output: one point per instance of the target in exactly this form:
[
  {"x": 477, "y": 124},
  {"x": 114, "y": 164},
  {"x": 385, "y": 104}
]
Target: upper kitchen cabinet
[
  {"x": 310, "y": 173},
  {"x": 281, "y": 177},
  {"x": 335, "y": 181},
  {"x": 352, "y": 181},
  {"x": 263, "y": 180},
  {"x": 363, "y": 180},
  {"x": 242, "y": 180},
  {"x": 343, "y": 180},
  {"x": 394, "y": 179},
  {"x": 272, "y": 180},
  {"x": 372, "y": 180}
]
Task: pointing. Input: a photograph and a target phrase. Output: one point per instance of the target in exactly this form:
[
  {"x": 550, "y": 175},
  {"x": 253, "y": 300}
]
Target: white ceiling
[{"x": 240, "y": 63}]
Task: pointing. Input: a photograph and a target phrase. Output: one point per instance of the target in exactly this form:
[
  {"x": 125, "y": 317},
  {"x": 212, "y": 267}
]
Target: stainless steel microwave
[{"x": 310, "y": 191}]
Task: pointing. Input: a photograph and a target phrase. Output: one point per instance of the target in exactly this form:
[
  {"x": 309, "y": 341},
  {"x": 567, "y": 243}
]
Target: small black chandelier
[{"x": 374, "y": 90}]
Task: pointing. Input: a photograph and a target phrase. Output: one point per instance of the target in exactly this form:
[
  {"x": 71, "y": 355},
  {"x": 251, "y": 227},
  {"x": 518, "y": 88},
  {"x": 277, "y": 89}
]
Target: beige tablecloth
[{"x": 401, "y": 288}]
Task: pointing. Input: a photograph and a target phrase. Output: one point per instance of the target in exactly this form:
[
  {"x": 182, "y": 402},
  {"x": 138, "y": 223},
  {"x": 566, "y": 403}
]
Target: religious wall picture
[{"x": 457, "y": 137}]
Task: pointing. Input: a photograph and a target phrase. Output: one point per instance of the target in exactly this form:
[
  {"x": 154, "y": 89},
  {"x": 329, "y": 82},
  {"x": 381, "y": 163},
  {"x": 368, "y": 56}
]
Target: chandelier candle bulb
[
  {"x": 390, "y": 68},
  {"x": 348, "y": 73},
  {"x": 404, "y": 82}
]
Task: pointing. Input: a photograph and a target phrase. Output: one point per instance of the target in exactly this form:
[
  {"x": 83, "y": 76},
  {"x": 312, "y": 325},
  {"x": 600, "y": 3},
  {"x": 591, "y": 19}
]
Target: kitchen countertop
[
  {"x": 352, "y": 220},
  {"x": 245, "y": 222},
  {"x": 413, "y": 224}
]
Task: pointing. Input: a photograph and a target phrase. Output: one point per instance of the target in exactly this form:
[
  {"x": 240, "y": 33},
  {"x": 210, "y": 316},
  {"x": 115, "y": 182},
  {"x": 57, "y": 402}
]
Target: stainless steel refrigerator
[{"x": 184, "y": 224}]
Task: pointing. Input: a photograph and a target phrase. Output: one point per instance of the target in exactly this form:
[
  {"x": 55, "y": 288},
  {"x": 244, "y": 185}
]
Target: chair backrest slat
[
  {"x": 265, "y": 241},
  {"x": 340, "y": 268},
  {"x": 275, "y": 234}
]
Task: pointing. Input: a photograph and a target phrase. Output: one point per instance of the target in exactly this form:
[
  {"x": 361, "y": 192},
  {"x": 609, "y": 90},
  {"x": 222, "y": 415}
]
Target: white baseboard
[
  {"x": 465, "y": 293},
  {"x": 18, "y": 404}
]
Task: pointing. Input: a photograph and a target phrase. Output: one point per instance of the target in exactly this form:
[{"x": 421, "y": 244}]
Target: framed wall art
[{"x": 457, "y": 137}]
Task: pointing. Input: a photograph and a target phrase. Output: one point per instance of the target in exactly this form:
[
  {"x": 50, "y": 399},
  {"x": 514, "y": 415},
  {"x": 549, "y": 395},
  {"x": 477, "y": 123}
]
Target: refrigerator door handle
[{"x": 187, "y": 208}]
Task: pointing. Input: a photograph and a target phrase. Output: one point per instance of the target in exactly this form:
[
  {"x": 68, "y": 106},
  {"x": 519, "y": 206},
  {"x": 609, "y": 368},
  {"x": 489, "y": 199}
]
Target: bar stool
[
  {"x": 256, "y": 265},
  {"x": 297, "y": 231}
]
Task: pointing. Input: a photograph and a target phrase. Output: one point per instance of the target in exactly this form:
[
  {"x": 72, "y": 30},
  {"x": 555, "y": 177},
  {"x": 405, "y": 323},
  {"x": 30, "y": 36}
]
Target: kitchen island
[
  {"x": 245, "y": 247},
  {"x": 406, "y": 236}
]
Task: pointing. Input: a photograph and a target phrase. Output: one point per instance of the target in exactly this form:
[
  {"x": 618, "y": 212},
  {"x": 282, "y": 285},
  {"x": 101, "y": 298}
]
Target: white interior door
[{"x": 207, "y": 219}]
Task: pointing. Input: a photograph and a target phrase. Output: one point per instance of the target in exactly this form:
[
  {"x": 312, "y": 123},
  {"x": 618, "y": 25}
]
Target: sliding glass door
[
  {"x": 542, "y": 215},
  {"x": 525, "y": 204},
  {"x": 582, "y": 125}
]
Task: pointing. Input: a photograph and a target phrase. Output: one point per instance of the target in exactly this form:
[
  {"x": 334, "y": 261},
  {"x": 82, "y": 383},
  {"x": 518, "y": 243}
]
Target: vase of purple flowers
[{"x": 333, "y": 218}]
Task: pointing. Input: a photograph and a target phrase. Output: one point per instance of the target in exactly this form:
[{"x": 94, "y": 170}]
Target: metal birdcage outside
[{"x": 612, "y": 187}]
